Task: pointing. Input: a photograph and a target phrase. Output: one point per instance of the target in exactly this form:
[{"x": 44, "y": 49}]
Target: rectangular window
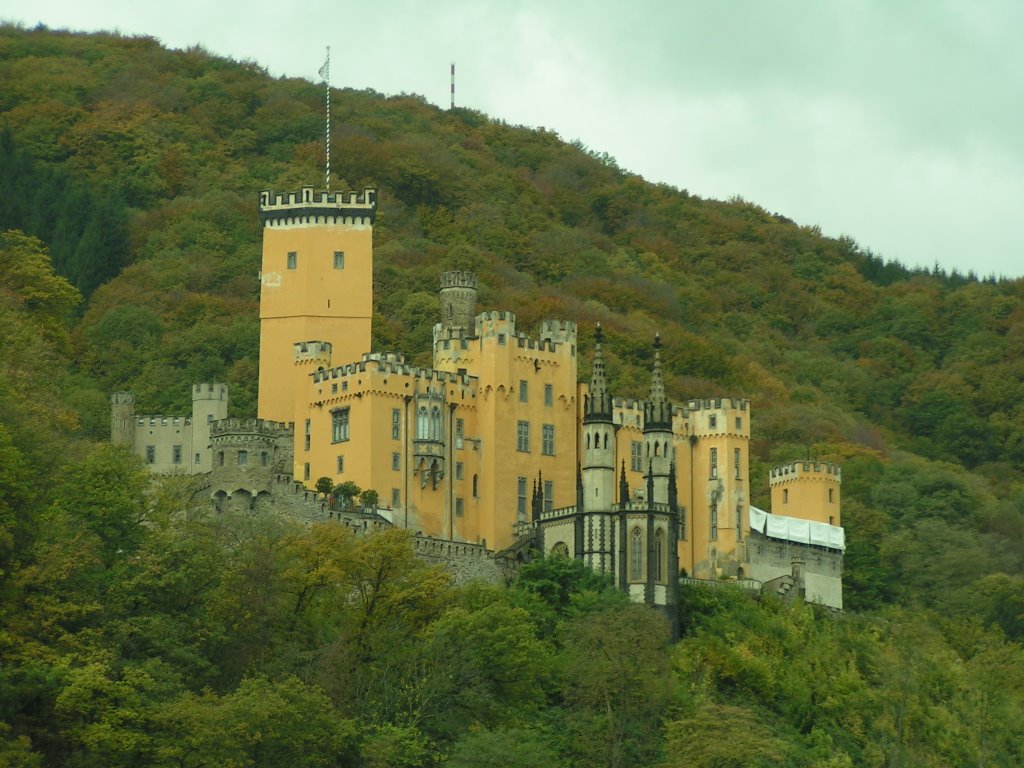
[
  {"x": 459, "y": 508},
  {"x": 396, "y": 498},
  {"x": 334, "y": 389},
  {"x": 199, "y": 459},
  {"x": 339, "y": 259},
  {"x": 396, "y": 423},
  {"x": 714, "y": 463},
  {"x": 460, "y": 429},
  {"x": 522, "y": 391},
  {"x": 264, "y": 459},
  {"x": 714, "y": 522},
  {"x": 548, "y": 440},
  {"x": 476, "y": 487},
  {"x": 151, "y": 454},
  {"x": 459, "y": 470},
  {"x": 712, "y": 422},
  {"x": 341, "y": 465},
  {"x": 521, "y": 498},
  {"x": 305, "y": 471},
  {"x": 176, "y": 455},
  {"x": 307, "y": 434},
  {"x": 396, "y": 461},
  {"x": 220, "y": 458},
  {"x": 243, "y": 458},
  {"x": 501, "y": 339},
  {"x": 549, "y": 395},
  {"x": 293, "y": 259},
  {"x": 785, "y": 495},
  {"x": 739, "y": 423},
  {"x": 523, "y": 436},
  {"x": 636, "y": 456},
  {"x": 339, "y": 425},
  {"x": 549, "y": 495},
  {"x": 736, "y": 461},
  {"x": 831, "y": 497}
]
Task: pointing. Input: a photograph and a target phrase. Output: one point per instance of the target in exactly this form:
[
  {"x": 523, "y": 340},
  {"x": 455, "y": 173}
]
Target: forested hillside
[{"x": 132, "y": 637}]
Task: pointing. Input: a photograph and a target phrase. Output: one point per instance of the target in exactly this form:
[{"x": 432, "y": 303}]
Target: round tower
[
  {"x": 122, "y": 419},
  {"x": 808, "y": 490},
  {"x": 458, "y": 300},
  {"x": 209, "y": 404},
  {"x": 598, "y": 470}
]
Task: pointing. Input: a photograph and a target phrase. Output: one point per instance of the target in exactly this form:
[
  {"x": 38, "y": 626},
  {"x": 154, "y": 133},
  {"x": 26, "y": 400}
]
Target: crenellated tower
[
  {"x": 316, "y": 283},
  {"x": 808, "y": 490},
  {"x": 122, "y": 419}
]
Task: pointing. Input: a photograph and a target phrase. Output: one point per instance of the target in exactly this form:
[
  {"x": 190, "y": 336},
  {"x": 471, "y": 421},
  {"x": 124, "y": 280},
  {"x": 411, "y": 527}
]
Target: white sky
[{"x": 897, "y": 122}]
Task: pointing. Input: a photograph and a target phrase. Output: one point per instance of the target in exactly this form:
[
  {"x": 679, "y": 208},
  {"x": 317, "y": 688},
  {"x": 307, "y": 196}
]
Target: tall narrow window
[
  {"x": 460, "y": 430},
  {"x": 521, "y": 498},
  {"x": 459, "y": 508},
  {"x": 396, "y": 423},
  {"x": 293, "y": 259},
  {"x": 636, "y": 456},
  {"x": 831, "y": 495},
  {"x": 176, "y": 456},
  {"x": 548, "y": 446},
  {"x": 523, "y": 436},
  {"x": 460, "y": 470},
  {"x": 549, "y": 495},
  {"x": 305, "y": 471},
  {"x": 339, "y": 259},
  {"x": 341, "y": 465},
  {"x": 243, "y": 458},
  {"x": 422, "y": 423},
  {"x": 712, "y": 422},
  {"x": 785, "y": 495},
  {"x": 522, "y": 391},
  {"x": 476, "y": 486},
  {"x": 659, "y": 555},
  {"x": 739, "y": 521},
  {"x": 396, "y": 498},
  {"x": 736, "y": 461},
  {"x": 308, "y": 434},
  {"x": 150, "y": 454},
  {"x": 714, "y": 521},
  {"x": 435, "y": 423},
  {"x": 549, "y": 395},
  {"x": 714, "y": 463},
  {"x": 636, "y": 555},
  {"x": 339, "y": 425},
  {"x": 396, "y": 461}
]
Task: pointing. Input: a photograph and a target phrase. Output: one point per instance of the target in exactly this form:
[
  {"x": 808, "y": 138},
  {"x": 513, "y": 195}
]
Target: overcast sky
[{"x": 897, "y": 122}]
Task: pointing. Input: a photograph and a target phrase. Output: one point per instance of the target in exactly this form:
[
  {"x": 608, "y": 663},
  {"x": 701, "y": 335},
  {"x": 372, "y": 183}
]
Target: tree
[{"x": 324, "y": 485}]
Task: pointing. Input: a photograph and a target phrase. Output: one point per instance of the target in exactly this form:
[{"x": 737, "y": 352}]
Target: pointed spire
[
  {"x": 599, "y": 404},
  {"x": 657, "y": 409},
  {"x": 623, "y": 485},
  {"x": 579, "y": 487}
]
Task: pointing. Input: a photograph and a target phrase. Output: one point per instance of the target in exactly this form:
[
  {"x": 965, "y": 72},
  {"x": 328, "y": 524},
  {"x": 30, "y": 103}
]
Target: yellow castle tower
[{"x": 316, "y": 284}]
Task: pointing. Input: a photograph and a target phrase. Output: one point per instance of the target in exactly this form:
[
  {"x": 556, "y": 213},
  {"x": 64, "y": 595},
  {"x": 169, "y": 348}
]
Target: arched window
[
  {"x": 606, "y": 440},
  {"x": 588, "y": 441},
  {"x": 659, "y": 555},
  {"x": 435, "y": 423},
  {"x": 560, "y": 550},
  {"x": 636, "y": 555},
  {"x": 422, "y": 423}
]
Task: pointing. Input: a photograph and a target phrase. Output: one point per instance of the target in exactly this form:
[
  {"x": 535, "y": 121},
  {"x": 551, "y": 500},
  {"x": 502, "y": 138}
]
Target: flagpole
[{"x": 326, "y": 72}]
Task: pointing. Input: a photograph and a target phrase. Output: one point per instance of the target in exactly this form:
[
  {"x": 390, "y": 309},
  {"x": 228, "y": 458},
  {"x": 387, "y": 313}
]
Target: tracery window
[{"x": 636, "y": 555}]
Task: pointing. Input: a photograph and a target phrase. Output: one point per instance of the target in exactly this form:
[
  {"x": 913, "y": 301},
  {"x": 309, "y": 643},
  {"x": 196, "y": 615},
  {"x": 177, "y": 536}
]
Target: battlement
[
  {"x": 309, "y": 207},
  {"x": 158, "y": 420},
  {"x": 390, "y": 363},
  {"x": 224, "y": 427},
  {"x": 558, "y": 331},
  {"x": 718, "y": 404},
  {"x": 312, "y": 350},
  {"x": 209, "y": 390},
  {"x": 812, "y": 470},
  {"x": 458, "y": 280},
  {"x": 495, "y": 316},
  {"x": 122, "y": 398}
]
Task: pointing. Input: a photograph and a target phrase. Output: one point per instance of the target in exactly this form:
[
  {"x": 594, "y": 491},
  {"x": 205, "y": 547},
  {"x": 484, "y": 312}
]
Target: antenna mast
[{"x": 325, "y": 72}]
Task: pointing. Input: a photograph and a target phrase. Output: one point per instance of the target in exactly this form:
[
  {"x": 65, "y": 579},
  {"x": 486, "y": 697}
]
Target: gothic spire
[
  {"x": 599, "y": 404},
  {"x": 657, "y": 409}
]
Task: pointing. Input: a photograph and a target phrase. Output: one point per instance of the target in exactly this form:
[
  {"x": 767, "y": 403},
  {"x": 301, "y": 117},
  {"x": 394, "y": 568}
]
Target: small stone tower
[
  {"x": 209, "y": 404},
  {"x": 458, "y": 301},
  {"x": 122, "y": 419}
]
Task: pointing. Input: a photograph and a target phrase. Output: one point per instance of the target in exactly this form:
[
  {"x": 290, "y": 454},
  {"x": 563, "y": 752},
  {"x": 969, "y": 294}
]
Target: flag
[{"x": 323, "y": 70}]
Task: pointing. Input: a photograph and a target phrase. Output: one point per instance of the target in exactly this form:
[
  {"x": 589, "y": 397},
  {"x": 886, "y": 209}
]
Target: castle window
[
  {"x": 334, "y": 389},
  {"x": 548, "y": 440},
  {"x": 396, "y": 498},
  {"x": 739, "y": 423},
  {"x": 422, "y": 423},
  {"x": 243, "y": 458},
  {"x": 549, "y": 495},
  {"x": 549, "y": 395},
  {"x": 151, "y": 454},
  {"x": 341, "y": 465},
  {"x": 476, "y": 490},
  {"x": 435, "y": 423},
  {"x": 785, "y": 495},
  {"x": 459, "y": 508},
  {"x": 523, "y": 436},
  {"x": 521, "y": 498},
  {"x": 459, "y": 470},
  {"x": 308, "y": 437},
  {"x": 264, "y": 459},
  {"x": 636, "y": 555},
  {"x": 199, "y": 459},
  {"x": 305, "y": 471},
  {"x": 293, "y": 259},
  {"x": 739, "y": 521},
  {"x": 831, "y": 496},
  {"x": 736, "y": 461},
  {"x": 460, "y": 429},
  {"x": 522, "y": 391},
  {"x": 636, "y": 456},
  {"x": 176, "y": 454},
  {"x": 714, "y": 463},
  {"x": 714, "y": 521},
  {"x": 561, "y": 549},
  {"x": 339, "y": 259},
  {"x": 712, "y": 422},
  {"x": 396, "y": 423},
  {"x": 659, "y": 555},
  {"x": 220, "y": 458},
  {"x": 209, "y": 418},
  {"x": 501, "y": 339},
  {"x": 396, "y": 461},
  {"x": 339, "y": 425},
  {"x": 682, "y": 523}
]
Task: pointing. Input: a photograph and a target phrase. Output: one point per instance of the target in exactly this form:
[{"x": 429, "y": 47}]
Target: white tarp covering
[{"x": 797, "y": 530}]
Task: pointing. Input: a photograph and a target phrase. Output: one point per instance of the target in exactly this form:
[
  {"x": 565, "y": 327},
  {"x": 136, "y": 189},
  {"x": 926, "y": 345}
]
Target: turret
[
  {"x": 658, "y": 433},
  {"x": 808, "y": 490},
  {"x": 209, "y": 405},
  {"x": 458, "y": 302},
  {"x": 122, "y": 419},
  {"x": 598, "y": 471}
]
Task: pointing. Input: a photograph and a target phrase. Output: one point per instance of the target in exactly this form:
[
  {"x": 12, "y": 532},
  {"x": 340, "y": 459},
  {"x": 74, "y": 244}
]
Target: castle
[{"x": 497, "y": 444}]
